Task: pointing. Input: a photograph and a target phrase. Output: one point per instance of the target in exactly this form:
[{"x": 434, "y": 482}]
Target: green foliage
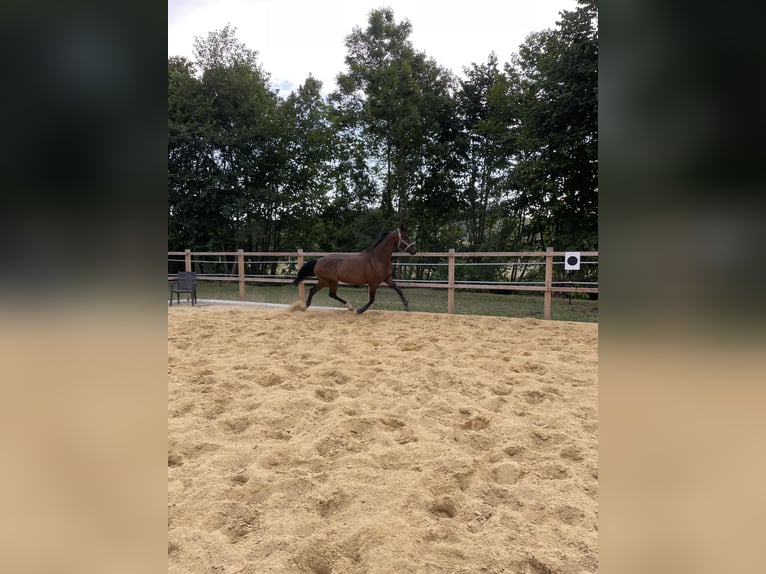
[
  {"x": 483, "y": 161},
  {"x": 556, "y": 168},
  {"x": 504, "y": 158},
  {"x": 393, "y": 104},
  {"x": 246, "y": 169}
]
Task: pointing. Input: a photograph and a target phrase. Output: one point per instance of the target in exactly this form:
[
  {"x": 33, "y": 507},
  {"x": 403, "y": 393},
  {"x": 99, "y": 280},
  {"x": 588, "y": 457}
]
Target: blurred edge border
[
  {"x": 83, "y": 353},
  {"x": 681, "y": 329},
  {"x": 84, "y": 152}
]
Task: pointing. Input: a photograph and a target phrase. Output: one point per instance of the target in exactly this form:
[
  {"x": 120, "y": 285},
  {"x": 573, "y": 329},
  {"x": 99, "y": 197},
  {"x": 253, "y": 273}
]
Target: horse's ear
[{"x": 403, "y": 227}]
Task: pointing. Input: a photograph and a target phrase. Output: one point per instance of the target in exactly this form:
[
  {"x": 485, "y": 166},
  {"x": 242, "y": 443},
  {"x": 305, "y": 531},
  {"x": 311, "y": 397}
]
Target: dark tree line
[{"x": 504, "y": 158}]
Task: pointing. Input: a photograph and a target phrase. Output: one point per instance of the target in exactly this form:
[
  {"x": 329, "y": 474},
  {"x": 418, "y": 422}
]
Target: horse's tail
[{"x": 306, "y": 270}]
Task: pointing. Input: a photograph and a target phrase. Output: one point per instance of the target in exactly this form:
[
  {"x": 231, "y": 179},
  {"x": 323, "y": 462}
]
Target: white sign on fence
[{"x": 572, "y": 260}]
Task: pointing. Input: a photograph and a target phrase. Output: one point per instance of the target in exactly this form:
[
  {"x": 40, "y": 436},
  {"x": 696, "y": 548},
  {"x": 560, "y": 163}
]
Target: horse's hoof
[
  {"x": 359, "y": 311},
  {"x": 407, "y": 309}
]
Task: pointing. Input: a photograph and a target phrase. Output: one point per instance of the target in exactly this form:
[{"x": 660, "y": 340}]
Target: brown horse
[{"x": 370, "y": 267}]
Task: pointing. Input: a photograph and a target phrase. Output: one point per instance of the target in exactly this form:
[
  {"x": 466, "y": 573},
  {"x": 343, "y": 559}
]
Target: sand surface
[{"x": 328, "y": 442}]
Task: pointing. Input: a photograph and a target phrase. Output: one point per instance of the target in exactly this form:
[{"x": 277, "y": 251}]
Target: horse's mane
[{"x": 381, "y": 238}]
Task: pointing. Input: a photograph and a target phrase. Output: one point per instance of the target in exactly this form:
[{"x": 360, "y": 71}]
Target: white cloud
[{"x": 295, "y": 38}]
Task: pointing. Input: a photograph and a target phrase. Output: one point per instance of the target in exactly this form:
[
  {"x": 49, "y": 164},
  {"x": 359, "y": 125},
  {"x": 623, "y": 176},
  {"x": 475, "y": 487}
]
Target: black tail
[{"x": 307, "y": 270}]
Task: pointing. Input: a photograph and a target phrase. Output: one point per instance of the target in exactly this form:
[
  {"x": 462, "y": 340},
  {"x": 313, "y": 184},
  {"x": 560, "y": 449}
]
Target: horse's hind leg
[
  {"x": 395, "y": 287},
  {"x": 334, "y": 295},
  {"x": 312, "y": 291},
  {"x": 371, "y": 289}
]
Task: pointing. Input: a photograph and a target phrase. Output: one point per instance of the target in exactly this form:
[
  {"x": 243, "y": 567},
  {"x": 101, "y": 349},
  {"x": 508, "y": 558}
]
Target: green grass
[{"x": 421, "y": 299}]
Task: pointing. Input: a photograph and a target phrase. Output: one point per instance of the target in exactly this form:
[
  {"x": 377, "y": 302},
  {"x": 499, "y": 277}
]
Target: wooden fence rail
[{"x": 548, "y": 288}]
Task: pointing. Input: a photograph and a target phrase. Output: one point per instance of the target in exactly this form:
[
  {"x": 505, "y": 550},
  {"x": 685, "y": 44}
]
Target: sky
[{"x": 295, "y": 38}]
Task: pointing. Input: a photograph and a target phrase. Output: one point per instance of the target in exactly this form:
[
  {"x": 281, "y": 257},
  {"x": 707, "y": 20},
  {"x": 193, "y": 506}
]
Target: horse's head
[{"x": 404, "y": 242}]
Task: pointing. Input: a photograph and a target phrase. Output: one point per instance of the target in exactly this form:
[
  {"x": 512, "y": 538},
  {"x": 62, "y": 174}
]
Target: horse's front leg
[
  {"x": 395, "y": 287},
  {"x": 371, "y": 290}
]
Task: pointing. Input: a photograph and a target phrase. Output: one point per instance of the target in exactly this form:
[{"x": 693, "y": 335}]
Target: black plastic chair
[{"x": 185, "y": 283}]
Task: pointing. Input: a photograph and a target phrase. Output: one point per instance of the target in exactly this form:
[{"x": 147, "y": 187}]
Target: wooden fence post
[
  {"x": 451, "y": 282},
  {"x": 241, "y": 272},
  {"x": 187, "y": 259},
  {"x": 548, "y": 282},
  {"x": 301, "y": 289}
]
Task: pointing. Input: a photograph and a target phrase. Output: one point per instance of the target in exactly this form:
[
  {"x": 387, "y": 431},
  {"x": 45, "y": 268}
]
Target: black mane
[{"x": 381, "y": 238}]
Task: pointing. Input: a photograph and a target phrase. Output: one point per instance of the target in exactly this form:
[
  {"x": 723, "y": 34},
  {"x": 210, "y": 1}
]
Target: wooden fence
[{"x": 548, "y": 287}]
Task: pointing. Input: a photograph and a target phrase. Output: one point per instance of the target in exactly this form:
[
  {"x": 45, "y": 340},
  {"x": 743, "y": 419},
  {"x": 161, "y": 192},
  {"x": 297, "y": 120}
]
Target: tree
[
  {"x": 194, "y": 217},
  {"x": 392, "y": 103},
  {"x": 484, "y": 159},
  {"x": 556, "y": 168},
  {"x": 308, "y": 145},
  {"x": 243, "y": 134}
]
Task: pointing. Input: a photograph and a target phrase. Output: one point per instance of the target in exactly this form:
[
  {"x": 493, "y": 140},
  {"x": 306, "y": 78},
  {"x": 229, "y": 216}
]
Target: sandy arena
[{"x": 326, "y": 442}]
